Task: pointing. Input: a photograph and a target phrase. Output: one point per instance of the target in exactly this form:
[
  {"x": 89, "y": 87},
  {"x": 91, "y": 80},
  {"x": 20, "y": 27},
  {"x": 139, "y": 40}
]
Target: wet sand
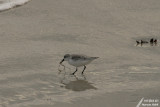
[
  {"x": 116, "y": 99},
  {"x": 34, "y": 37}
]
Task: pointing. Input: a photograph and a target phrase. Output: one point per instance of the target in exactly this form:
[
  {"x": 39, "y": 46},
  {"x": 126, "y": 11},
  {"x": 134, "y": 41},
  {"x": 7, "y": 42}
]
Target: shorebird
[{"x": 78, "y": 61}]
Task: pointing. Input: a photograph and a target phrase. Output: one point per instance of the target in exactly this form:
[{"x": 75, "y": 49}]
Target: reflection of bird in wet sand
[
  {"x": 78, "y": 61},
  {"x": 78, "y": 85}
]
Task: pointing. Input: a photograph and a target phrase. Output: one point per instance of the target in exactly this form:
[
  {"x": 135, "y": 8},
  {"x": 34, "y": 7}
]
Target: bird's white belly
[{"x": 78, "y": 63}]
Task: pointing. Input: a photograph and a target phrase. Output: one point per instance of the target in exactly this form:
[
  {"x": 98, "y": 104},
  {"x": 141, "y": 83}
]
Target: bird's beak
[{"x": 61, "y": 61}]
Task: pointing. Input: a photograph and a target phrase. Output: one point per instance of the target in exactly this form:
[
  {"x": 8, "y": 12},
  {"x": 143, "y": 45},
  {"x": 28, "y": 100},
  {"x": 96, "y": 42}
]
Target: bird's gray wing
[{"x": 78, "y": 57}]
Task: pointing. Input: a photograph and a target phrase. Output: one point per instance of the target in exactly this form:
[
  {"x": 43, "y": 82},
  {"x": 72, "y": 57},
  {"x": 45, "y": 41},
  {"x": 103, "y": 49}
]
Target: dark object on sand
[
  {"x": 151, "y": 41},
  {"x": 137, "y": 42},
  {"x": 155, "y": 41},
  {"x": 142, "y": 41}
]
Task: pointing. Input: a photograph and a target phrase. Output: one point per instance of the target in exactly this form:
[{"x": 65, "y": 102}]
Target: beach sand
[
  {"x": 116, "y": 99},
  {"x": 34, "y": 38}
]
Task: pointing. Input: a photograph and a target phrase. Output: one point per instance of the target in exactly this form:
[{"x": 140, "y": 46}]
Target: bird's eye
[{"x": 65, "y": 56}]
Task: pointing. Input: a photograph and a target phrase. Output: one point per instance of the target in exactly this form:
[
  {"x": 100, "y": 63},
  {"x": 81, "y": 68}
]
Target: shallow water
[
  {"x": 8, "y": 4},
  {"x": 34, "y": 40}
]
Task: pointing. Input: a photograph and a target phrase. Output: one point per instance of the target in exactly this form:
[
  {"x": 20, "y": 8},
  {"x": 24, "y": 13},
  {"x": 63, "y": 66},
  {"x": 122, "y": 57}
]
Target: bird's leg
[
  {"x": 84, "y": 69},
  {"x": 74, "y": 71}
]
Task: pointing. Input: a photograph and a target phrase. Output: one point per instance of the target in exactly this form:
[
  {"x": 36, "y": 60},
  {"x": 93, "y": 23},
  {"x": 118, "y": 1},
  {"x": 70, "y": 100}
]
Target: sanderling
[{"x": 78, "y": 60}]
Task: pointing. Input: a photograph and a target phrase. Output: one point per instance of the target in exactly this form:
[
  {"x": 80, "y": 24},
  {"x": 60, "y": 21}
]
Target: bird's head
[{"x": 66, "y": 58}]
